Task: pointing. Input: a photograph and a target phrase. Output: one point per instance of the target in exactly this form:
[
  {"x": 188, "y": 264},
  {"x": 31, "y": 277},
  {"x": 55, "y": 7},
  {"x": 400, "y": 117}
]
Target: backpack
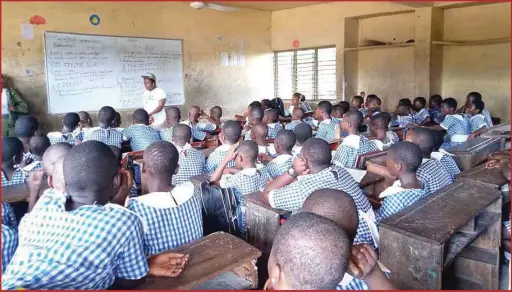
[{"x": 219, "y": 210}]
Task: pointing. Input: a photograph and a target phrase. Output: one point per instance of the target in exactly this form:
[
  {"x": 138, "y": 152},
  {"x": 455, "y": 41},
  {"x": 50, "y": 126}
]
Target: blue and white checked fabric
[
  {"x": 433, "y": 176},
  {"x": 9, "y": 244},
  {"x": 398, "y": 201},
  {"x": 191, "y": 162},
  {"x": 390, "y": 139},
  {"x": 402, "y": 121},
  {"x": 273, "y": 129},
  {"x": 326, "y": 130},
  {"x": 140, "y": 136},
  {"x": 349, "y": 150},
  {"x": 70, "y": 138},
  {"x": 363, "y": 111},
  {"x": 296, "y": 150},
  {"x": 247, "y": 136},
  {"x": 291, "y": 125},
  {"x": 199, "y": 130},
  {"x": 420, "y": 116},
  {"x": 216, "y": 157},
  {"x": 448, "y": 163},
  {"x": 276, "y": 167},
  {"x": 87, "y": 248},
  {"x": 487, "y": 116},
  {"x": 507, "y": 225},
  {"x": 171, "y": 219},
  {"x": 435, "y": 114},
  {"x": 305, "y": 106},
  {"x": 166, "y": 134},
  {"x": 355, "y": 284},
  {"x": 8, "y": 217},
  {"x": 477, "y": 122},
  {"x": 18, "y": 177},
  {"x": 455, "y": 125},
  {"x": 107, "y": 136}
]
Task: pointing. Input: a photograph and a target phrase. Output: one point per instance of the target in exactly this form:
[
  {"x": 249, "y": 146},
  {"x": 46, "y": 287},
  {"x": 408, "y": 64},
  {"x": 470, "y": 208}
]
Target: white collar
[
  {"x": 352, "y": 141},
  {"x": 262, "y": 149},
  {"x": 30, "y": 167},
  {"x": 438, "y": 155},
  {"x": 481, "y": 115},
  {"x": 224, "y": 147},
  {"x": 163, "y": 200},
  {"x": 392, "y": 190},
  {"x": 458, "y": 117},
  {"x": 249, "y": 171},
  {"x": 326, "y": 121},
  {"x": 424, "y": 160},
  {"x": 379, "y": 144},
  {"x": 282, "y": 158},
  {"x": 184, "y": 148}
]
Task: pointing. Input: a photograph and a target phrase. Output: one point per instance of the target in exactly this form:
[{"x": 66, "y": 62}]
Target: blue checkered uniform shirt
[
  {"x": 291, "y": 125},
  {"x": 477, "y": 122},
  {"x": 9, "y": 244},
  {"x": 140, "y": 136},
  {"x": 166, "y": 134},
  {"x": 347, "y": 155},
  {"x": 433, "y": 176},
  {"x": 434, "y": 115},
  {"x": 8, "y": 217},
  {"x": 191, "y": 162},
  {"x": 402, "y": 121},
  {"x": 216, "y": 158},
  {"x": 18, "y": 177},
  {"x": 326, "y": 130},
  {"x": 273, "y": 129},
  {"x": 455, "y": 126},
  {"x": 355, "y": 284},
  {"x": 70, "y": 138},
  {"x": 507, "y": 224},
  {"x": 199, "y": 130},
  {"x": 449, "y": 165},
  {"x": 276, "y": 167},
  {"x": 397, "y": 202},
  {"x": 107, "y": 136},
  {"x": 420, "y": 116}
]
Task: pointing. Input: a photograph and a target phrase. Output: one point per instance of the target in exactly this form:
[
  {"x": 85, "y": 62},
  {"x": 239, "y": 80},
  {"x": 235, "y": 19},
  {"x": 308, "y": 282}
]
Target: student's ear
[
  {"x": 276, "y": 278},
  {"x": 50, "y": 182},
  {"x": 176, "y": 170},
  {"x": 398, "y": 167}
]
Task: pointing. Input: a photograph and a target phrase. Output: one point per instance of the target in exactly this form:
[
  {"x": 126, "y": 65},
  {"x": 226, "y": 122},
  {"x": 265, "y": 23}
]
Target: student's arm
[
  {"x": 300, "y": 168},
  {"x": 478, "y": 132},
  {"x": 125, "y": 187},
  {"x": 435, "y": 127},
  {"x": 363, "y": 265},
  {"x": 217, "y": 175},
  {"x": 34, "y": 184}
]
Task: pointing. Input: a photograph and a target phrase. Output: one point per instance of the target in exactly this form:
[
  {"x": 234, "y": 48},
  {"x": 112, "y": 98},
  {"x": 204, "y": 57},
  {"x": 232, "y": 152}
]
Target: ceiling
[{"x": 269, "y": 5}]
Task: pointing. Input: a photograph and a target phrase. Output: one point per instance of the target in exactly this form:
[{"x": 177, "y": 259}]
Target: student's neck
[
  {"x": 26, "y": 144},
  {"x": 325, "y": 117},
  {"x": 174, "y": 123},
  {"x": 261, "y": 141},
  {"x": 353, "y": 131},
  {"x": 409, "y": 181},
  {"x": 249, "y": 165},
  {"x": 427, "y": 155},
  {"x": 381, "y": 134},
  {"x": 180, "y": 143},
  {"x": 156, "y": 184},
  {"x": 279, "y": 153},
  {"x": 75, "y": 202},
  {"x": 66, "y": 130},
  {"x": 317, "y": 169},
  {"x": 38, "y": 158},
  {"x": 104, "y": 126}
]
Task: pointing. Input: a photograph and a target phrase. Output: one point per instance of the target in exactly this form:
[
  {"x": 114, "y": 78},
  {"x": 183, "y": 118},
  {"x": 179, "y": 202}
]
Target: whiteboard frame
[{"x": 104, "y": 35}]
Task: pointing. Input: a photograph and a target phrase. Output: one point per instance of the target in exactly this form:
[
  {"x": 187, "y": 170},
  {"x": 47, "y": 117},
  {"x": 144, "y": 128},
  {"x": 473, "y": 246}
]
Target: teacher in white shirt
[{"x": 154, "y": 101}]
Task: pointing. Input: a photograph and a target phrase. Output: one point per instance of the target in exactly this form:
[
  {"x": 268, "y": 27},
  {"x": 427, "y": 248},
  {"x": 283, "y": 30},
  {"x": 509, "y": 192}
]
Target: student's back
[
  {"x": 191, "y": 161},
  {"x": 70, "y": 133},
  {"x": 105, "y": 133},
  {"x": 229, "y": 136},
  {"x": 140, "y": 134},
  {"x": 9, "y": 235}
]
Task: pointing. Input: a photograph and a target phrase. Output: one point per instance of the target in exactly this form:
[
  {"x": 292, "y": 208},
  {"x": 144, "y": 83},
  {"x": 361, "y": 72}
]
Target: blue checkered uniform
[
  {"x": 9, "y": 244},
  {"x": 140, "y": 136},
  {"x": 70, "y": 138},
  {"x": 8, "y": 217},
  {"x": 216, "y": 157},
  {"x": 18, "y": 177},
  {"x": 402, "y": 121},
  {"x": 166, "y": 228},
  {"x": 273, "y": 129},
  {"x": 363, "y": 111},
  {"x": 435, "y": 114},
  {"x": 275, "y": 168},
  {"x": 247, "y": 136},
  {"x": 107, "y": 136},
  {"x": 291, "y": 125},
  {"x": 87, "y": 248},
  {"x": 326, "y": 130},
  {"x": 507, "y": 224},
  {"x": 166, "y": 134},
  {"x": 455, "y": 126},
  {"x": 449, "y": 164},
  {"x": 191, "y": 163},
  {"x": 420, "y": 116},
  {"x": 305, "y": 106},
  {"x": 397, "y": 202},
  {"x": 347, "y": 155},
  {"x": 355, "y": 284},
  {"x": 477, "y": 122},
  {"x": 199, "y": 130},
  {"x": 433, "y": 176}
]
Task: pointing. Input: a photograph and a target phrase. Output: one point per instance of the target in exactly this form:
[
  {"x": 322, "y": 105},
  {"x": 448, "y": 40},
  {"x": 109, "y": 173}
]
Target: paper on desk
[{"x": 357, "y": 174}]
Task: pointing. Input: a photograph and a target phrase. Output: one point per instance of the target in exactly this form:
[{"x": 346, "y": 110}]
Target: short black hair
[
  {"x": 408, "y": 154},
  {"x": 345, "y": 106},
  {"x": 231, "y": 130},
  {"x": 90, "y": 167},
  {"x": 479, "y": 105},
  {"x": 106, "y": 116},
  {"x": 450, "y": 102},
  {"x": 71, "y": 120},
  {"x": 11, "y": 148},
  {"x": 359, "y": 99},
  {"x": 216, "y": 109},
  {"x": 309, "y": 248},
  {"x": 475, "y": 95},
  {"x": 302, "y": 98},
  {"x": 436, "y": 98},
  {"x": 339, "y": 109},
  {"x": 303, "y": 132},
  {"x": 425, "y": 139},
  {"x": 266, "y": 102},
  {"x": 405, "y": 101},
  {"x": 273, "y": 115},
  {"x": 161, "y": 158},
  {"x": 257, "y": 113},
  {"x": 117, "y": 120},
  {"x": 298, "y": 108},
  {"x": 181, "y": 134},
  {"x": 325, "y": 106},
  {"x": 381, "y": 118},
  {"x": 285, "y": 138},
  {"x": 26, "y": 127},
  {"x": 84, "y": 115},
  {"x": 374, "y": 97},
  {"x": 117, "y": 152},
  {"x": 260, "y": 129},
  {"x": 255, "y": 104},
  {"x": 421, "y": 100},
  {"x": 296, "y": 94},
  {"x": 141, "y": 116},
  {"x": 248, "y": 149},
  {"x": 173, "y": 111},
  {"x": 355, "y": 117},
  {"x": 317, "y": 151},
  {"x": 39, "y": 144}
]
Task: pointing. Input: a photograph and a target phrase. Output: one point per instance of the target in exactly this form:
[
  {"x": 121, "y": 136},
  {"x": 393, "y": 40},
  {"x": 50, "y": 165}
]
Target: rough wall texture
[{"x": 206, "y": 82}]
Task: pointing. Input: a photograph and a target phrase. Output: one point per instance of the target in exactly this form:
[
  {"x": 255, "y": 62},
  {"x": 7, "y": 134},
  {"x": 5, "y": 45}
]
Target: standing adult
[
  {"x": 13, "y": 107},
  {"x": 154, "y": 101}
]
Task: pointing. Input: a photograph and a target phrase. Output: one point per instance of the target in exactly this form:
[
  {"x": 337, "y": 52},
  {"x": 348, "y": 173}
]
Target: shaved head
[
  {"x": 259, "y": 130},
  {"x": 181, "y": 134},
  {"x": 317, "y": 152},
  {"x": 52, "y": 154}
]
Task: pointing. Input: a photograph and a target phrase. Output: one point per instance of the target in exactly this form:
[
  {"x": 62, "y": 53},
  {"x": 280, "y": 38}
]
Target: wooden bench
[
  {"x": 471, "y": 153},
  {"x": 213, "y": 258},
  {"x": 20, "y": 192}
]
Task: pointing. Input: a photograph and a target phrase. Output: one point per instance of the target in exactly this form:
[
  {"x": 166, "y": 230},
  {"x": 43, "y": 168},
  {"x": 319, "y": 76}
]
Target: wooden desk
[
  {"x": 491, "y": 177},
  {"x": 502, "y": 131},
  {"x": 471, "y": 153},
  {"x": 210, "y": 257},
  {"x": 19, "y": 192}
]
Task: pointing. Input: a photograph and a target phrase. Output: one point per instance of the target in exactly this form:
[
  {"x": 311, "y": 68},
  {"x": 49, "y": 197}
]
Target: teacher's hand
[{"x": 151, "y": 119}]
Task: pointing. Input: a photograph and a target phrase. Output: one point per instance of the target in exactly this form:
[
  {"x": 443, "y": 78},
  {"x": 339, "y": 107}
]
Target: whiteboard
[{"x": 87, "y": 72}]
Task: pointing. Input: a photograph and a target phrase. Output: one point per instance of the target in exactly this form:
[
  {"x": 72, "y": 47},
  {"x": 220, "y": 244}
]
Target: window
[{"x": 311, "y": 72}]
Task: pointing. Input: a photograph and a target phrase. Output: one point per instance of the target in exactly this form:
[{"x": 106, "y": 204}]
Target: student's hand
[
  {"x": 167, "y": 264},
  {"x": 34, "y": 181},
  {"x": 151, "y": 119},
  {"x": 231, "y": 155},
  {"x": 472, "y": 136},
  {"x": 263, "y": 157},
  {"x": 362, "y": 261},
  {"x": 300, "y": 166}
]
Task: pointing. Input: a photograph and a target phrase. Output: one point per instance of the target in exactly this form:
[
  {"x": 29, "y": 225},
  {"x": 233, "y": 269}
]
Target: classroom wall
[{"x": 206, "y": 82}]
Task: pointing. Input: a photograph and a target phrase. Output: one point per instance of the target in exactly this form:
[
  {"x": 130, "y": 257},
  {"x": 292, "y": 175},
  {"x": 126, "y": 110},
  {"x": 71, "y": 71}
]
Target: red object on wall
[
  {"x": 295, "y": 44},
  {"x": 37, "y": 20}
]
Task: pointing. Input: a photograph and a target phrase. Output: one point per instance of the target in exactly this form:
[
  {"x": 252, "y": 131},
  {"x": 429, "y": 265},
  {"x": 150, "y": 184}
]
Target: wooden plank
[
  {"x": 210, "y": 257},
  {"x": 471, "y": 153},
  {"x": 19, "y": 192},
  {"x": 492, "y": 177}
]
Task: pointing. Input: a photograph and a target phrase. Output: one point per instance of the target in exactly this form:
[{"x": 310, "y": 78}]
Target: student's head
[
  {"x": 296, "y": 98},
  {"x": 247, "y": 155},
  {"x": 379, "y": 124},
  {"x": 323, "y": 110},
  {"x": 404, "y": 108},
  {"x": 141, "y": 116},
  {"x": 259, "y": 132},
  {"x": 284, "y": 141},
  {"x": 352, "y": 121},
  {"x": 26, "y": 127},
  {"x": 256, "y": 116},
  {"x": 334, "y": 205},
  {"x": 448, "y": 106},
  {"x": 12, "y": 151},
  {"x": 253, "y": 105},
  {"x": 345, "y": 106},
  {"x": 85, "y": 119},
  {"x": 106, "y": 117},
  {"x": 424, "y": 138},
  {"x": 216, "y": 112},
  {"x": 117, "y": 152},
  {"x": 266, "y": 104},
  {"x": 435, "y": 101},
  {"x": 472, "y": 96},
  {"x": 309, "y": 252},
  {"x": 405, "y": 101},
  {"x": 302, "y": 98},
  {"x": 50, "y": 157},
  {"x": 71, "y": 121},
  {"x": 91, "y": 173},
  {"x": 271, "y": 116},
  {"x": 173, "y": 115},
  {"x": 357, "y": 102},
  {"x": 39, "y": 144},
  {"x": 181, "y": 134},
  {"x": 374, "y": 102},
  {"x": 403, "y": 158},
  {"x": 231, "y": 132},
  {"x": 117, "y": 121},
  {"x": 338, "y": 111},
  {"x": 476, "y": 107},
  {"x": 194, "y": 113},
  {"x": 302, "y": 132},
  {"x": 317, "y": 154},
  {"x": 368, "y": 99},
  {"x": 419, "y": 103},
  {"x": 160, "y": 162},
  {"x": 298, "y": 113}
]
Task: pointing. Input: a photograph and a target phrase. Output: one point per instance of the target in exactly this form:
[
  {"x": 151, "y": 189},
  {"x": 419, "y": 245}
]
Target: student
[
  {"x": 472, "y": 96},
  {"x": 373, "y": 106},
  {"x": 284, "y": 142},
  {"x": 266, "y": 104},
  {"x": 302, "y": 132},
  {"x": 357, "y": 103},
  {"x": 216, "y": 115},
  {"x": 173, "y": 118},
  {"x": 295, "y": 103},
  {"x": 271, "y": 118},
  {"x": 405, "y": 101},
  {"x": 134, "y": 192},
  {"x": 171, "y": 214},
  {"x": 456, "y": 125},
  {"x": 85, "y": 121},
  {"x": 403, "y": 116},
  {"x": 304, "y": 104},
  {"x": 337, "y": 112},
  {"x": 255, "y": 117},
  {"x": 70, "y": 130},
  {"x": 140, "y": 133},
  {"x": 25, "y": 128},
  {"x": 105, "y": 133},
  {"x": 379, "y": 130},
  {"x": 9, "y": 235},
  {"x": 38, "y": 145},
  {"x": 354, "y": 144},
  {"x": 326, "y": 125},
  {"x": 297, "y": 118},
  {"x": 434, "y": 108},
  {"x": 444, "y": 157},
  {"x": 117, "y": 123},
  {"x": 245, "y": 179},
  {"x": 230, "y": 135},
  {"x": 421, "y": 114},
  {"x": 12, "y": 154},
  {"x": 259, "y": 134},
  {"x": 403, "y": 160},
  {"x": 200, "y": 131},
  {"x": 191, "y": 161},
  {"x": 253, "y": 105},
  {"x": 477, "y": 119},
  {"x": 431, "y": 172}
]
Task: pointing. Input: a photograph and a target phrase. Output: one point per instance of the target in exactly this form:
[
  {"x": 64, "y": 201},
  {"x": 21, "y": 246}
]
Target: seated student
[
  {"x": 421, "y": 114},
  {"x": 302, "y": 132},
  {"x": 431, "y": 171},
  {"x": 284, "y": 142},
  {"x": 357, "y": 103},
  {"x": 271, "y": 118},
  {"x": 373, "y": 106},
  {"x": 85, "y": 120},
  {"x": 477, "y": 119},
  {"x": 304, "y": 104},
  {"x": 379, "y": 129},
  {"x": 133, "y": 190},
  {"x": 70, "y": 131},
  {"x": 25, "y": 128},
  {"x": 216, "y": 115},
  {"x": 472, "y": 96},
  {"x": 444, "y": 157},
  {"x": 297, "y": 118},
  {"x": 172, "y": 118},
  {"x": 117, "y": 123},
  {"x": 9, "y": 235},
  {"x": 354, "y": 144},
  {"x": 403, "y": 116},
  {"x": 434, "y": 108},
  {"x": 295, "y": 103},
  {"x": 243, "y": 180},
  {"x": 457, "y": 126},
  {"x": 191, "y": 161},
  {"x": 104, "y": 133},
  {"x": 266, "y": 104},
  {"x": 140, "y": 133},
  {"x": 247, "y": 113},
  {"x": 12, "y": 154},
  {"x": 326, "y": 125},
  {"x": 200, "y": 131},
  {"x": 259, "y": 134},
  {"x": 38, "y": 145},
  {"x": 403, "y": 161},
  {"x": 337, "y": 112},
  {"x": 405, "y": 101},
  {"x": 255, "y": 117},
  {"x": 230, "y": 135},
  {"x": 171, "y": 213}
]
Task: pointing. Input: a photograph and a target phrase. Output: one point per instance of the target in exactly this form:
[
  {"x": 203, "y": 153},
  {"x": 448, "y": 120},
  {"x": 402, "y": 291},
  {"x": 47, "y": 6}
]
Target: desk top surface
[
  {"x": 493, "y": 177},
  {"x": 19, "y": 192}
]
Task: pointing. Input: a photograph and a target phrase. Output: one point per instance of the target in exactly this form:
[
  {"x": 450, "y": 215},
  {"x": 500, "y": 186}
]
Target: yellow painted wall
[{"x": 206, "y": 82}]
